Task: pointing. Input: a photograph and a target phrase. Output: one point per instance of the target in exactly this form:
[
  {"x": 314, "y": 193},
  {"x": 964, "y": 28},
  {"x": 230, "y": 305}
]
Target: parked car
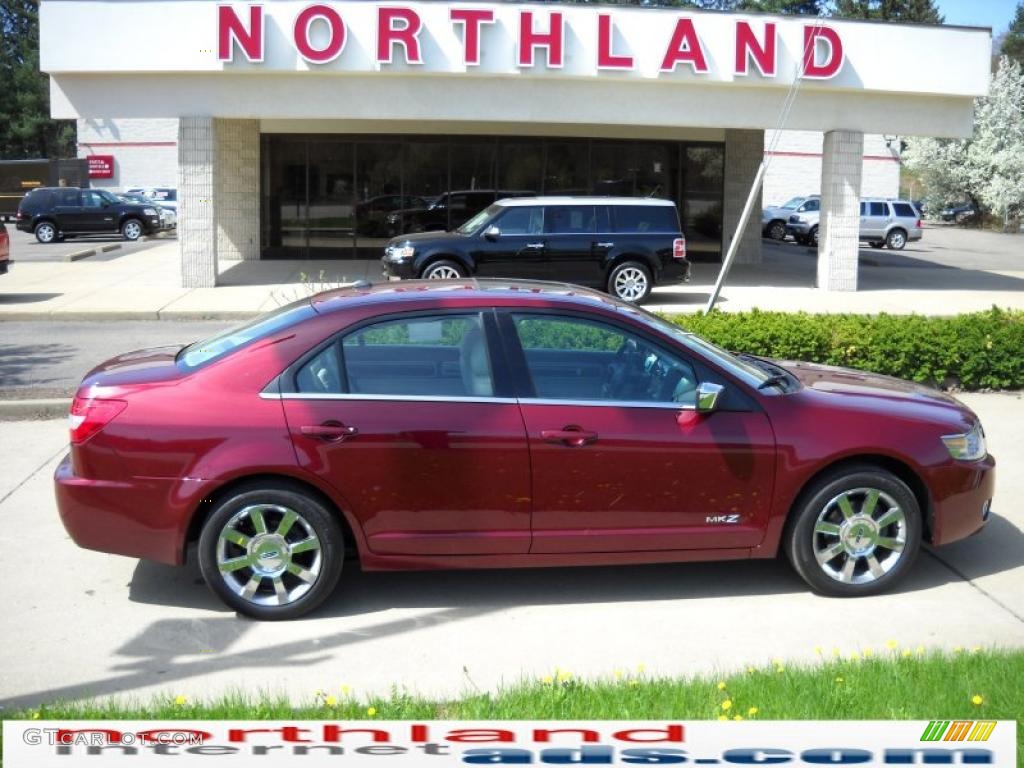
[
  {"x": 959, "y": 214},
  {"x": 168, "y": 216},
  {"x": 372, "y": 214},
  {"x": 52, "y": 213},
  {"x": 624, "y": 245},
  {"x": 891, "y": 223},
  {"x": 447, "y": 211},
  {"x": 775, "y": 218},
  {"x": 166, "y": 197},
  {"x": 5, "y": 250},
  {"x": 498, "y": 424}
]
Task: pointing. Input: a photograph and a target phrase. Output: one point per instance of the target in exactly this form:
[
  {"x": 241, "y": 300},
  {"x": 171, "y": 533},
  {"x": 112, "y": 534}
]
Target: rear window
[
  {"x": 905, "y": 209},
  {"x": 204, "y": 352},
  {"x": 39, "y": 198},
  {"x": 645, "y": 218}
]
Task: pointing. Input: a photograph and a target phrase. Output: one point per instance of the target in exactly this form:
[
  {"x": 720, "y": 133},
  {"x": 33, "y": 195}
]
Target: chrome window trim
[{"x": 456, "y": 399}]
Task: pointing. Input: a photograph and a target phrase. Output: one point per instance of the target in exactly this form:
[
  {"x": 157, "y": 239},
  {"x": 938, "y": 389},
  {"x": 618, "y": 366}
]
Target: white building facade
[{"x": 314, "y": 129}]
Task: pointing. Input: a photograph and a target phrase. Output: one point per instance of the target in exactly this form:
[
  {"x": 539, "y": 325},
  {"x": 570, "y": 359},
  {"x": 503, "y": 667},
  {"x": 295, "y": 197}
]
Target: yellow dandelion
[
  {"x": 727, "y": 705},
  {"x": 35, "y": 715},
  {"x": 640, "y": 669},
  {"x": 331, "y": 701},
  {"x": 564, "y": 677},
  {"x": 371, "y": 711},
  {"x": 892, "y": 645},
  {"x": 907, "y": 653},
  {"x": 840, "y": 680},
  {"x": 777, "y": 662},
  {"x": 721, "y": 686},
  {"x": 780, "y": 669},
  {"x": 836, "y": 653},
  {"x": 975, "y": 649},
  {"x": 344, "y": 690},
  {"x": 634, "y": 683},
  {"x": 977, "y": 700},
  {"x": 547, "y": 679},
  {"x": 868, "y": 653},
  {"x": 751, "y": 670},
  {"x": 618, "y": 674},
  {"x": 818, "y": 650},
  {"x": 752, "y": 711},
  {"x": 920, "y": 650},
  {"x": 318, "y": 693},
  {"x": 722, "y": 717},
  {"x": 958, "y": 649},
  {"x": 854, "y": 656},
  {"x": 180, "y": 700},
  {"x": 737, "y": 717}
]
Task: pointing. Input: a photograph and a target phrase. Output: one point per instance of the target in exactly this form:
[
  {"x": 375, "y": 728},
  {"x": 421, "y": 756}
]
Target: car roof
[
  {"x": 577, "y": 199},
  {"x": 466, "y": 291}
]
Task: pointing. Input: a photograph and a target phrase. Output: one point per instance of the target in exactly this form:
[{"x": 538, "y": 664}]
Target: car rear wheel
[
  {"x": 777, "y": 230},
  {"x": 45, "y": 232},
  {"x": 630, "y": 281},
  {"x": 443, "y": 270},
  {"x": 131, "y": 230},
  {"x": 856, "y": 532},
  {"x": 876, "y": 243},
  {"x": 271, "y": 552},
  {"x": 813, "y": 238},
  {"x": 896, "y": 240}
]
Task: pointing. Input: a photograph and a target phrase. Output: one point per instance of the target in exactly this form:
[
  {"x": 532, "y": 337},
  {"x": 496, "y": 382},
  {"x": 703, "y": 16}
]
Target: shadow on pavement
[
  {"x": 27, "y": 298},
  {"x": 20, "y": 364}
]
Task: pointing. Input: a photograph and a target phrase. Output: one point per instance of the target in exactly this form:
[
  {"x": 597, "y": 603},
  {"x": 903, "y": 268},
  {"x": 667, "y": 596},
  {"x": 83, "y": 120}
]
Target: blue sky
[{"x": 980, "y": 13}]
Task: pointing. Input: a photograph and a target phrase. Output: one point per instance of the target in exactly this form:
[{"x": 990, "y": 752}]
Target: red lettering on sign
[
  {"x": 553, "y": 40},
  {"x": 833, "y": 63},
  {"x": 605, "y": 58},
  {"x": 748, "y": 47},
  {"x": 685, "y": 48},
  {"x": 405, "y": 35},
  {"x": 472, "y": 19},
  {"x": 231, "y": 30},
  {"x": 336, "y": 36}
]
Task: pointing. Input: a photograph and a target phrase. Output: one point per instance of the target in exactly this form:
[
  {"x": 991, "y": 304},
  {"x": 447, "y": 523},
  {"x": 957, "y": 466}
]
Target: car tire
[
  {"x": 835, "y": 523},
  {"x": 46, "y": 232},
  {"x": 131, "y": 230},
  {"x": 777, "y": 230},
  {"x": 896, "y": 239},
  {"x": 443, "y": 269},
  {"x": 630, "y": 281},
  {"x": 287, "y": 583},
  {"x": 812, "y": 238},
  {"x": 876, "y": 243}
]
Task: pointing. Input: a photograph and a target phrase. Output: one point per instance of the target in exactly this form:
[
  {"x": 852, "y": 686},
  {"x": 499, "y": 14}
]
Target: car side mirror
[
  {"x": 708, "y": 394},
  {"x": 492, "y": 233}
]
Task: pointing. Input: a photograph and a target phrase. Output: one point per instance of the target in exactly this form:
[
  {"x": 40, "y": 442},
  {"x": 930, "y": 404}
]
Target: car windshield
[
  {"x": 108, "y": 196},
  {"x": 794, "y": 203},
  {"x": 752, "y": 374},
  {"x": 477, "y": 221},
  {"x": 202, "y": 352}
]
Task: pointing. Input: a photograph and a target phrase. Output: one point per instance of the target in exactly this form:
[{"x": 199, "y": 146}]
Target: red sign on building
[{"x": 101, "y": 166}]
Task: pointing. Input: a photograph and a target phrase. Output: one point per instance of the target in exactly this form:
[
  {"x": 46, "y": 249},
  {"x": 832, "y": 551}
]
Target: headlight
[
  {"x": 970, "y": 446},
  {"x": 401, "y": 252},
  {"x": 149, "y": 211}
]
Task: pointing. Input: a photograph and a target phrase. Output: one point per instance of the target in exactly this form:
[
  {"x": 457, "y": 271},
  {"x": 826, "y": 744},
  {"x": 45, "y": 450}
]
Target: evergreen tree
[
  {"x": 888, "y": 10},
  {"x": 26, "y": 129},
  {"x": 1013, "y": 43}
]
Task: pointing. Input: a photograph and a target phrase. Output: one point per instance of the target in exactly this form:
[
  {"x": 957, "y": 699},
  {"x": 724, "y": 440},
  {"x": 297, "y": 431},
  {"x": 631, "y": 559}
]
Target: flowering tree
[{"x": 988, "y": 168}]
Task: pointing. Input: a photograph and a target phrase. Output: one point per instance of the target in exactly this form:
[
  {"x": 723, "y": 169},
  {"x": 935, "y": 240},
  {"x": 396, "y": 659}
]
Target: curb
[
  {"x": 85, "y": 254},
  {"x": 24, "y": 410},
  {"x": 114, "y": 315}
]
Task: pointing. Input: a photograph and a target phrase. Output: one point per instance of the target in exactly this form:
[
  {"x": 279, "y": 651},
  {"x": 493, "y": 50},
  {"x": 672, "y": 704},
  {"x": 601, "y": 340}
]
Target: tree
[
  {"x": 889, "y": 10},
  {"x": 1013, "y": 42},
  {"x": 26, "y": 129},
  {"x": 988, "y": 168}
]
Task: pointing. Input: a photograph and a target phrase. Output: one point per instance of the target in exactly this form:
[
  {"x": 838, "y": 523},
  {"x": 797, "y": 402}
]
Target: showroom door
[
  {"x": 621, "y": 461},
  {"x": 401, "y": 418}
]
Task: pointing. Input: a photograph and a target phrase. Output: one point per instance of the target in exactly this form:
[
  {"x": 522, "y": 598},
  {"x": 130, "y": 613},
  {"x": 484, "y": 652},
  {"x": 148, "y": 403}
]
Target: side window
[
  {"x": 810, "y": 206},
  {"x": 576, "y": 359},
  {"x": 863, "y": 209},
  {"x": 440, "y": 356},
  {"x": 905, "y": 210},
  {"x": 645, "y": 218},
  {"x": 321, "y": 375},
  {"x": 569, "y": 219},
  {"x": 528, "y": 220},
  {"x": 92, "y": 200},
  {"x": 67, "y": 197},
  {"x": 879, "y": 209}
]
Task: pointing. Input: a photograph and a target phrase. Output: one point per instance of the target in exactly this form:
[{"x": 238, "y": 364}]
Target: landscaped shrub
[{"x": 981, "y": 350}]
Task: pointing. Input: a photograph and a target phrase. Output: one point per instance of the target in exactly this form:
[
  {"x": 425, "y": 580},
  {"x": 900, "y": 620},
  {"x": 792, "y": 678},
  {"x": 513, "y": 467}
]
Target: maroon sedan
[{"x": 479, "y": 424}]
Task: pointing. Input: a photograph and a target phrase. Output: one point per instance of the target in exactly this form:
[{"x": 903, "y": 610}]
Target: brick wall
[
  {"x": 236, "y": 180},
  {"x": 744, "y": 151},
  {"x": 196, "y": 220},
  {"x": 145, "y": 150},
  {"x": 838, "y": 240}
]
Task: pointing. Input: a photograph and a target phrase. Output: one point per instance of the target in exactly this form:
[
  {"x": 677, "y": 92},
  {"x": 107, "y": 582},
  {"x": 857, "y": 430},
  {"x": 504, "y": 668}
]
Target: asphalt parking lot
[
  {"x": 81, "y": 623},
  {"x": 25, "y": 247}
]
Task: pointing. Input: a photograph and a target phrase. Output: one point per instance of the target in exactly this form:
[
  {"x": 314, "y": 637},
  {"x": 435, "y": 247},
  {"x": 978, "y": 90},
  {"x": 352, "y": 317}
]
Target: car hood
[
  {"x": 847, "y": 381},
  {"x": 424, "y": 237},
  {"x": 143, "y": 366},
  {"x": 777, "y": 212}
]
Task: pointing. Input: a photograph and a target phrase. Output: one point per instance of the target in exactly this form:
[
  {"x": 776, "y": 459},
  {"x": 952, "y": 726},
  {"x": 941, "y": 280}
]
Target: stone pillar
[
  {"x": 839, "y": 226},
  {"x": 237, "y": 188},
  {"x": 196, "y": 217},
  {"x": 744, "y": 151}
]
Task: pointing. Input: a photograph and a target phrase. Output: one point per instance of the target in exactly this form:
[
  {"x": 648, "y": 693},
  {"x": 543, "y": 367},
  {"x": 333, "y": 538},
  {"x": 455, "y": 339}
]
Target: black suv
[
  {"x": 447, "y": 211},
  {"x": 622, "y": 245},
  {"x": 52, "y": 213}
]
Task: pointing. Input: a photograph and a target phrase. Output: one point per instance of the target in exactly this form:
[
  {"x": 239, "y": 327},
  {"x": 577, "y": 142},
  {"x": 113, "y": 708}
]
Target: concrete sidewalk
[{"x": 146, "y": 285}]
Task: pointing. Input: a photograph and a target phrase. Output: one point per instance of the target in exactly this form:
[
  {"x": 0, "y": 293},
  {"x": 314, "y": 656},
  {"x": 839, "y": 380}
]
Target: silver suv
[{"x": 892, "y": 223}]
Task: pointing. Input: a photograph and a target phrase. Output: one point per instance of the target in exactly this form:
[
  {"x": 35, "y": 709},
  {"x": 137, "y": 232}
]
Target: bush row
[{"x": 981, "y": 350}]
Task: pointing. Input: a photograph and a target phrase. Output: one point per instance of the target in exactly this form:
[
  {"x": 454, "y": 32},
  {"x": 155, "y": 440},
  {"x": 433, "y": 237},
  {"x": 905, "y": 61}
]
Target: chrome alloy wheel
[
  {"x": 630, "y": 284},
  {"x": 442, "y": 272},
  {"x": 269, "y": 554},
  {"x": 133, "y": 230},
  {"x": 860, "y": 535}
]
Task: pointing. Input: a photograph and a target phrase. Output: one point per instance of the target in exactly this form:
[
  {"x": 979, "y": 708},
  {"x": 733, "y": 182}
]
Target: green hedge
[{"x": 982, "y": 350}]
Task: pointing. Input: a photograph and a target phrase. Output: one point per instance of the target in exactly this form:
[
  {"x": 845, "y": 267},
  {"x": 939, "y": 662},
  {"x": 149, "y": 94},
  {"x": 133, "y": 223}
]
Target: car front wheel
[
  {"x": 271, "y": 552},
  {"x": 443, "y": 270},
  {"x": 45, "y": 232},
  {"x": 855, "y": 532},
  {"x": 131, "y": 230},
  {"x": 630, "y": 281},
  {"x": 777, "y": 230}
]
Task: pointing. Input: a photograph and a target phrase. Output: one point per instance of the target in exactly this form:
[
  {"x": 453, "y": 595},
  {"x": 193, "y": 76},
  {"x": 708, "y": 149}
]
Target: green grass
[{"x": 888, "y": 685}]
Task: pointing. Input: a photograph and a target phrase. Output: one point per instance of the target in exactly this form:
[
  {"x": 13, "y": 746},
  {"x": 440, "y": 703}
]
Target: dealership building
[{"x": 309, "y": 130}]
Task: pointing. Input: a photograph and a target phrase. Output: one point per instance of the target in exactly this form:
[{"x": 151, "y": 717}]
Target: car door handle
[
  {"x": 331, "y": 431},
  {"x": 573, "y": 436},
  {"x": 604, "y": 245},
  {"x": 534, "y": 245}
]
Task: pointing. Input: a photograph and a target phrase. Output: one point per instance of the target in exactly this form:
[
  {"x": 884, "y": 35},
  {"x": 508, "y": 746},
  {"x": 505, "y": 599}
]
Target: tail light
[
  {"x": 89, "y": 415},
  {"x": 918, "y": 223},
  {"x": 18, "y": 215},
  {"x": 679, "y": 248}
]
